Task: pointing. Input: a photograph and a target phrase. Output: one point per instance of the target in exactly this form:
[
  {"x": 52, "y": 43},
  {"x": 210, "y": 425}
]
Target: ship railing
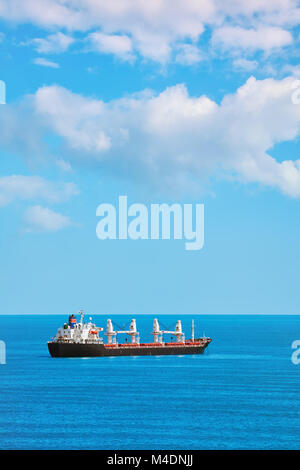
[{"x": 195, "y": 343}]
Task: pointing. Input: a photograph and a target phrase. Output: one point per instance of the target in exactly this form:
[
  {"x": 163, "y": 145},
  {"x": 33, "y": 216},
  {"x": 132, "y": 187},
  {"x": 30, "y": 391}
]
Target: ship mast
[
  {"x": 193, "y": 331},
  {"x": 81, "y": 315}
]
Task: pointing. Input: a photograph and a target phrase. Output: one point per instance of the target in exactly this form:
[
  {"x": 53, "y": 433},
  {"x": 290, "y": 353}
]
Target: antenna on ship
[
  {"x": 193, "y": 331},
  {"x": 81, "y": 315}
]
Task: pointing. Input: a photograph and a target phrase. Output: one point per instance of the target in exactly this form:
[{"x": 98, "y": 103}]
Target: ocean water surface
[{"x": 243, "y": 393}]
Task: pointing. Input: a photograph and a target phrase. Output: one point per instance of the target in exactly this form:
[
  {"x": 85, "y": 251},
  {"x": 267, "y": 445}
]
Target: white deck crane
[
  {"x": 110, "y": 332},
  {"x": 158, "y": 334}
]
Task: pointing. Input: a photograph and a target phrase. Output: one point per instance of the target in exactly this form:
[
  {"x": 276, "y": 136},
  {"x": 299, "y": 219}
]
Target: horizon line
[{"x": 158, "y": 314}]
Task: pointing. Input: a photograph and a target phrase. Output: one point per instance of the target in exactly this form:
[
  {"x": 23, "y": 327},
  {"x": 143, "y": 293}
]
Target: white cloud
[
  {"x": 188, "y": 54},
  {"x": 172, "y": 138},
  {"x": 15, "y": 187},
  {"x": 45, "y": 63},
  {"x": 151, "y": 25},
  {"x": 73, "y": 117},
  {"x": 288, "y": 69},
  {"x": 44, "y": 13},
  {"x": 52, "y": 44},
  {"x": 245, "y": 64},
  {"x": 119, "y": 45},
  {"x": 155, "y": 46},
  {"x": 263, "y": 38},
  {"x": 38, "y": 218},
  {"x": 277, "y": 12},
  {"x": 117, "y": 15},
  {"x": 155, "y": 28}
]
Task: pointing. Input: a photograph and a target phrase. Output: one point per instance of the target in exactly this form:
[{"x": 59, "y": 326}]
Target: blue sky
[{"x": 188, "y": 102}]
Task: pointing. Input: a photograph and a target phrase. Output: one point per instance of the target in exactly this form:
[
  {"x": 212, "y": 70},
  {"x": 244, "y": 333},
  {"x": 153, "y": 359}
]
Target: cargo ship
[{"x": 82, "y": 339}]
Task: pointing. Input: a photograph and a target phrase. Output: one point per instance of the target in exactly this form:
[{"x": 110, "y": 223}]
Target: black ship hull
[{"x": 60, "y": 349}]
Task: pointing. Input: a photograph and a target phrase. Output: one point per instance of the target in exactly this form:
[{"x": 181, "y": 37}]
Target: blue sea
[{"x": 243, "y": 393}]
